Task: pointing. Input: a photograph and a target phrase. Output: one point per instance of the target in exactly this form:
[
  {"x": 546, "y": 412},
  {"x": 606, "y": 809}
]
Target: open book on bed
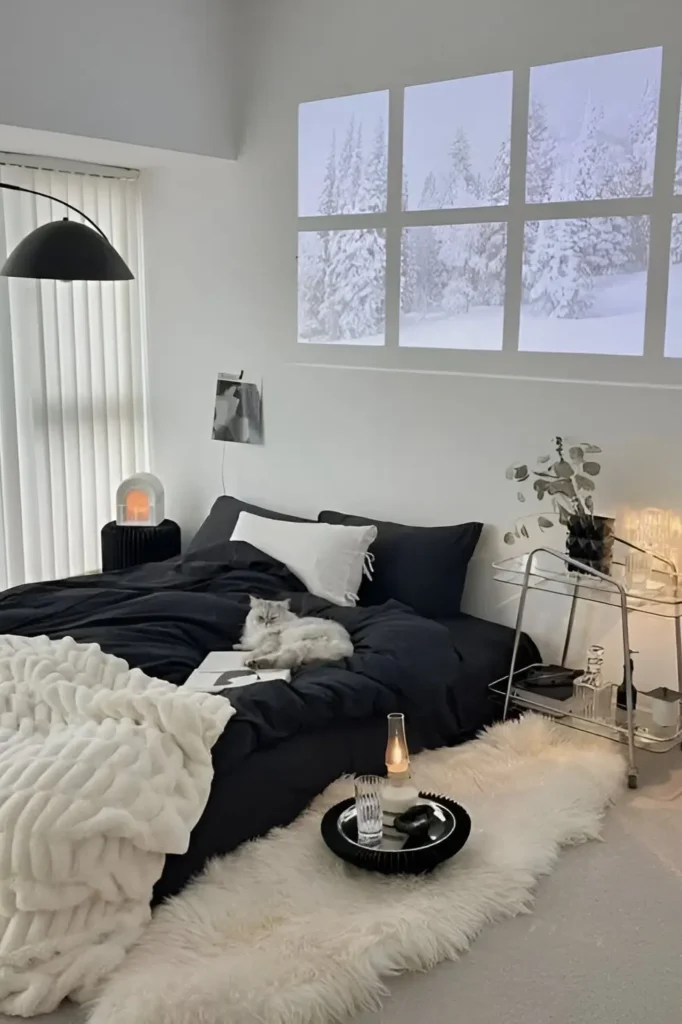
[{"x": 225, "y": 669}]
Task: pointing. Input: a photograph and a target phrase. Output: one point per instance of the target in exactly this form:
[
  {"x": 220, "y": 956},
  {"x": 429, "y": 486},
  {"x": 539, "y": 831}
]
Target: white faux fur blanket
[
  {"x": 282, "y": 932},
  {"x": 103, "y": 771}
]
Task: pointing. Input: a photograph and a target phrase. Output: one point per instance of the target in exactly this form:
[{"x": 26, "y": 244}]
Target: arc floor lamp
[{"x": 65, "y": 250}]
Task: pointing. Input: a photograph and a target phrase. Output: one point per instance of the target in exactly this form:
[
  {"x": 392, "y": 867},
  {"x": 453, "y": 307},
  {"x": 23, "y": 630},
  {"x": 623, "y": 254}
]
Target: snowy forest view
[
  {"x": 341, "y": 274},
  {"x": 592, "y": 133}
]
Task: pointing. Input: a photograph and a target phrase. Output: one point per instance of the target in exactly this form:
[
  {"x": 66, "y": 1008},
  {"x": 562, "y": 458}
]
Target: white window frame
[{"x": 652, "y": 367}]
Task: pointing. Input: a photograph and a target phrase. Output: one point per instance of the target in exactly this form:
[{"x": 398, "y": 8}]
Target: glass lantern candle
[{"x": 399, "y": 794}]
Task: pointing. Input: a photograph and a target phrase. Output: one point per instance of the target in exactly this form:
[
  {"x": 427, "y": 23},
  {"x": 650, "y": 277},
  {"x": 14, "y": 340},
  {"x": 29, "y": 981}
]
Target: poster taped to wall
[{"x": 238, "y": 413}]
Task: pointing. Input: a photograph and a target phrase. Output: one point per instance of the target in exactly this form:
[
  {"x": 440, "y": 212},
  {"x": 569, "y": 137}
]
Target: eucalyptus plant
[{"x": 564, "y": 480}]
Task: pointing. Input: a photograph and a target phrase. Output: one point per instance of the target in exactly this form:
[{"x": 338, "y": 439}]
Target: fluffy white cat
[{"x": 278, "y": 638}]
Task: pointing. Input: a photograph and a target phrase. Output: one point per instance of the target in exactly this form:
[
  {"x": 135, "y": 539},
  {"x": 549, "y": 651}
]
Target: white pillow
[{"x": 327, "y": 558}]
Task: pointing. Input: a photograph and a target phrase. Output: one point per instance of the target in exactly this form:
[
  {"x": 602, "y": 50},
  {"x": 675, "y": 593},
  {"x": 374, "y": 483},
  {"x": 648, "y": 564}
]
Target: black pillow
[
  {"x": 422, "y": 566},
  {"x": 222, "y": 519}
]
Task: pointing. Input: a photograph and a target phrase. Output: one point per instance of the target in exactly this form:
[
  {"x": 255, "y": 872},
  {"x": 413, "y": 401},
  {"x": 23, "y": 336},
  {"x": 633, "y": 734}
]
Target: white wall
[
  {"x": 424, "y": 448},
  {"x": 150, "y": 72}
]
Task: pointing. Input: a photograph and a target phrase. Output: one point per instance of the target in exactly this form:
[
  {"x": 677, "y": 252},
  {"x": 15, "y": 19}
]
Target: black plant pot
[{"x": 590, "y": 541}]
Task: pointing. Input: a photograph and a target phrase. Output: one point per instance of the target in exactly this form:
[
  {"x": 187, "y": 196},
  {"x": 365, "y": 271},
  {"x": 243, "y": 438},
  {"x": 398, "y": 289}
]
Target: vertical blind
[{"x": 73, "y": 409}]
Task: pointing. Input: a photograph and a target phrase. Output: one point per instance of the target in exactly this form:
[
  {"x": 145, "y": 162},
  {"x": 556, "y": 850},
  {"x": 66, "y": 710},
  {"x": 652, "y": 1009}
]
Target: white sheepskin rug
[{"x": 281, "y": 932}]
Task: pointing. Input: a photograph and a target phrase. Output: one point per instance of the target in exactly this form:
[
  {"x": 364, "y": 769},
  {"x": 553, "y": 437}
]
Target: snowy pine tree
[
  {"x": 541, "y": 186},
  {"x": 542, "y": 156},
  {"x": 344, "y": 173},
  {"x": 359, "y": 296},
  {"x": 351, "y": 297},
  {"x": 356, "y": 174},
  {"x": 362, "y": 292},
  {"x": 563, "y": 286},
  {"x": 489, "y": 241},
  {"x": 430, "y": 198},
  {"x": 589, "y": 172},
  {"x": 496, "y": 190},
  {"x": 462, "y": 186},
  {"x": 311, "y": 280},
  {"x": 328, "y": 203},
  {"x": 676, "y": 240},
  {"x": 314, "y": 261},
  {"x": 638, "y": 172},
  {"x": 372, "y": 194},
  {"x": 600, "y": 243},
  {"x": 428, "y": 274},
  {"x": 458, "y": 255},
  {"x": 633, "y": 175},
  {"x": 407, "y": 261},
  {"x": 566, "y": 255},
  {"x": 336, "y": 244}
]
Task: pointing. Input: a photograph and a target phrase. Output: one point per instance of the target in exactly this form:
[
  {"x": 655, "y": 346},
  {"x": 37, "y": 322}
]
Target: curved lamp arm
[{"x": 54, "y": 199}]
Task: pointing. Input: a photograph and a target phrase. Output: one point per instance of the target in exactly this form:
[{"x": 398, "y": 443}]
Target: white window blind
[{"x": 73, "y": 410}]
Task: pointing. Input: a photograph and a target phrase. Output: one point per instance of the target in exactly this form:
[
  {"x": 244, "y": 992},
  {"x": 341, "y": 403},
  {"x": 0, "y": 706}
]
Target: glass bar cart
[{"x": 551, "y": 571}]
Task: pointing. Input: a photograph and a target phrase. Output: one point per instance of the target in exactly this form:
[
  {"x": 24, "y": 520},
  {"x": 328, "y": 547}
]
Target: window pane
[
  {"x": 341, "y": 287},
  {"x": 343, "y": 155},
  {"x": 452, "y": 286},
  {"x": 584, "y": 285},
  {"x": 456, "y": 143},
  {"x": 678, "y": 166},
  {"x": 592, "y": 127},
  {"x": 673, "y": 335}
]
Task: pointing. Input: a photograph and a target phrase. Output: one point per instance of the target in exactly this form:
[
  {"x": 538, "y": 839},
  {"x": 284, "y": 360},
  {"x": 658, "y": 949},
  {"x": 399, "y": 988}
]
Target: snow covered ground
[
  {"x": 613, "y": 326},
  {"x": 480, "y": 329},
  {"x": 370, "y": 339}
]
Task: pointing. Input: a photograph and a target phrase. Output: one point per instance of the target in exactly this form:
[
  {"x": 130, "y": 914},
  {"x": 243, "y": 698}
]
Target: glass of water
[{"x": 368, "y": 809}]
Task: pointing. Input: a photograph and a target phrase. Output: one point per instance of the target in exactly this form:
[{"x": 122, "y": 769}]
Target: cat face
[{"x": 268, "y": 613}]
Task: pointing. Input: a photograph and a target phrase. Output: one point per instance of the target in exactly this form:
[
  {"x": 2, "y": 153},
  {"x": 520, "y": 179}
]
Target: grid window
[{"x": 513, "y": 212}]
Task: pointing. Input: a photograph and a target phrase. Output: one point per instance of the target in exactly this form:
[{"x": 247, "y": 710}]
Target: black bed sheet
[
  {"x": 165, "y": 617},
  {"x": 269, "y": 788},
  {"x": 286, "y": 742}
]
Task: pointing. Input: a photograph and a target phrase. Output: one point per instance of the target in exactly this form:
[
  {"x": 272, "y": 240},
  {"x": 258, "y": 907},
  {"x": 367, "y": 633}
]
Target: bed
[{"x": 286, "y": 742}]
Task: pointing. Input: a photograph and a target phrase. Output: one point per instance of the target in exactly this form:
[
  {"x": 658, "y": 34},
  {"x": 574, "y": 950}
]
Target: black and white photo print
[{"x": 238, "y": 414}]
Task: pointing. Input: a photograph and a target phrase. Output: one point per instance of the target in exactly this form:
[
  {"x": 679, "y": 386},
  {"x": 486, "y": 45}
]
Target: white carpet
[{"x": 281, "y": 932}]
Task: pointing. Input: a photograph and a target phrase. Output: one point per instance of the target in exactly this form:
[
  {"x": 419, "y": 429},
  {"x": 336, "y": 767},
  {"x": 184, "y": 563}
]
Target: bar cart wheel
[{"x": 632, "y": 780}]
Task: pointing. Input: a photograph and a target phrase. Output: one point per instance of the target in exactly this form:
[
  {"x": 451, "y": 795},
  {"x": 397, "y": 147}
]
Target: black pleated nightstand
[{"x": 123, "y": 546}]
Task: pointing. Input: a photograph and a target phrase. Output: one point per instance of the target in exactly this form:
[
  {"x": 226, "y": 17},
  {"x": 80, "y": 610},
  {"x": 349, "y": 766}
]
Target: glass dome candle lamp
[
  {"x": 399, "y": 794},
  {"x": 140, "y": 501}
]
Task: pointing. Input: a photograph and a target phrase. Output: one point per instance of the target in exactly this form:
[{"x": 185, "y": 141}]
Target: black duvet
[{"x": 164, "y": 618}]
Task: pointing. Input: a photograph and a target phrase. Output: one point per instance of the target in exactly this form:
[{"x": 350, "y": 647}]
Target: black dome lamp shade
[{"x": 65, "y": 250}]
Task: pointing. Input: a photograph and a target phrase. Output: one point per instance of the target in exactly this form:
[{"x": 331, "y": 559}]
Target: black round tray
[{"x": 339, "y": 831}]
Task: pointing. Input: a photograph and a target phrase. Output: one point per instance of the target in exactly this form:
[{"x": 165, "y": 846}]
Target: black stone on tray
[{"x": 417, "y": 822}]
